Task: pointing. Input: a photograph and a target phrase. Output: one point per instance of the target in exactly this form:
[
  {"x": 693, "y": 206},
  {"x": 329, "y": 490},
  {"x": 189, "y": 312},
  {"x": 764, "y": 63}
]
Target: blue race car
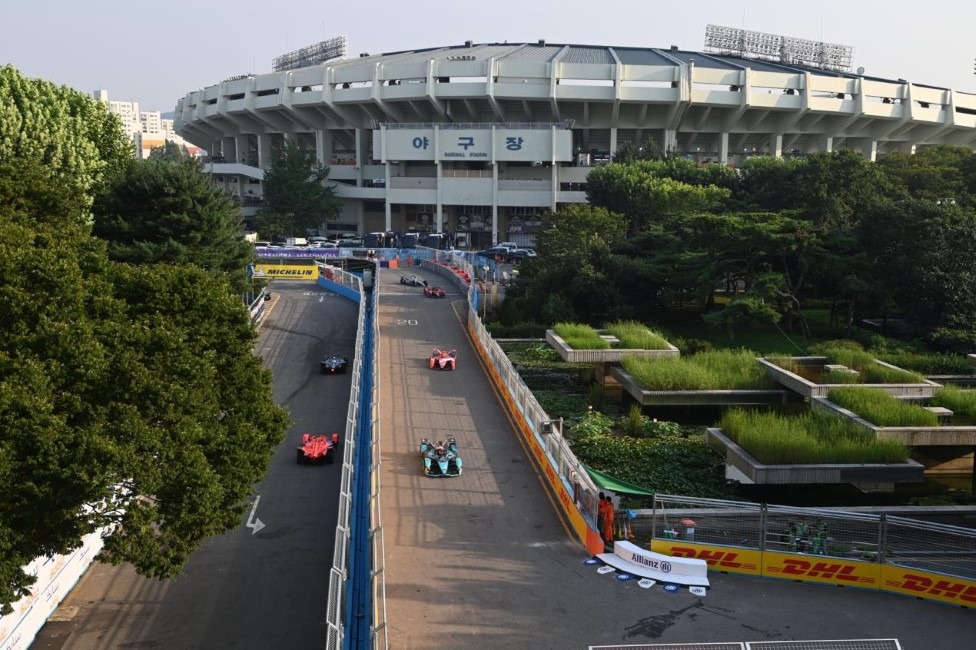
[{"x": 440, "y": 459}]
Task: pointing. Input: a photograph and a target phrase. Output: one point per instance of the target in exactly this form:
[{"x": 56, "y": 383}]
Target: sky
[{"x": 155, "y": 53}]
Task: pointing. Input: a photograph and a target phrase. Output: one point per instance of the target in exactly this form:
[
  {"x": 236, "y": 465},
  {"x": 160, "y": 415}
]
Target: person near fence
[
  {"x": 600, "y": 509},
  {"x": 608, "y": 521}
]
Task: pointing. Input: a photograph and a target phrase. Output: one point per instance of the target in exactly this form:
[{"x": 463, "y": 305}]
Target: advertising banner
[
  {"x": 287, "y": 271},
  {"x": 822, "y": 569},
  {"x": 931, "y": 586},
  {"x": 525, "y": 145},
  {"x": 719, "y": 558}
]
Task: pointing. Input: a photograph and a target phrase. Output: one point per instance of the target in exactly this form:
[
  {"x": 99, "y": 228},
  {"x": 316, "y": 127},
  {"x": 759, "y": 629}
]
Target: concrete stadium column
[
  {"x": 670, "y": 142},
  {"x": 723, "y": 148},
  {"x": 776, "y": 150},
  {"x": 438, "y": 211},
  {"x": 228, "y": 149},
  {"x": 386, "y": 198},
  {"x": 241, "y": 148},
  {"x": 360, "y": 161},
  {"x": 613, "y": 140},
  {"x": 264, "y": 150},
  {"x": 870, "y": 150},
  {"x": 323, "y": 147},
  {"x": 825, "y": 144},
  {"x": 494, "y": 201}
]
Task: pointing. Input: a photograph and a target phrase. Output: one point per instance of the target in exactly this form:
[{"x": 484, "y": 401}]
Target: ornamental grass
[
  {"x": 812, "y": 438},
  {"x": 637, "y": 336},
  {"x": 712, "y": 370},
  {"x": 882, "y": 409},
  {"x": 957, "y": 400},
  {"x": 580, "y": 337}
]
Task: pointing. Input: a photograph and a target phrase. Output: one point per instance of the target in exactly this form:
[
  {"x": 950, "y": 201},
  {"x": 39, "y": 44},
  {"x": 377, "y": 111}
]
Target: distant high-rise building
[{"x": 147, "y": 129}]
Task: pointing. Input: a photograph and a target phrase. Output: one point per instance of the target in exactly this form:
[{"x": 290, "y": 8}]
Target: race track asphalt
[{"x": 483, "y": 560}]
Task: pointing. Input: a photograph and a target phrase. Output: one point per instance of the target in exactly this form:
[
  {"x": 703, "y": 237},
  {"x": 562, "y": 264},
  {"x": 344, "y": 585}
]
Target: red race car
[
  {"x": 434, "y": 292},
  {"x": 318, "y": 448},
  {"x": 443, "y": 359}
]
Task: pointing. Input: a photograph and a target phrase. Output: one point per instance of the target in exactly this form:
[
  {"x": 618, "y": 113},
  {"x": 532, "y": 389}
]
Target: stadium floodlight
[
  {"x": 781, "y": 49},
  {"x": 333, "y": 48}
]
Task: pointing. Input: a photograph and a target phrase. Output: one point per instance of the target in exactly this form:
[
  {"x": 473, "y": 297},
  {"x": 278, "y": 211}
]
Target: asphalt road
[
  {"x": 478, "y": 561},
  {"x": 266, "y": 589},
  {"x": 483, "y": 561}
]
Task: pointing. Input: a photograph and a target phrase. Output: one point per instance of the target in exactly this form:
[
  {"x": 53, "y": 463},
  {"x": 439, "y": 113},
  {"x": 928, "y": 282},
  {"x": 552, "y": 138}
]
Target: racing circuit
[
  {"x": 483, "y": 560},
  {"x": 480, "y": 560}
]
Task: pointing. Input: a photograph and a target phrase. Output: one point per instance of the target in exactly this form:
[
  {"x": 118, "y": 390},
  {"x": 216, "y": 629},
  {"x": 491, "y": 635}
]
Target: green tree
[
  {"x": 923, "y": 263},
  {"x": 165, "y": 210},
  {"x": 570, "y": 277},
  {"x": 73, "y": 136},
  {"x": 296, "y": 195},
  {"x": 130, "y": 396},
  {"x": 646, "y": 192}
]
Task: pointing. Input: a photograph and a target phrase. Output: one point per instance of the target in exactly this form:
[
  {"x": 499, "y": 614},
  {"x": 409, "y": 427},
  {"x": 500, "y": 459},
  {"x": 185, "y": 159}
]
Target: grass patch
[
  {"x": 811, "y": 438},
  {"x": 637, "y": 336},
  {"x": 933, "y": 363},
  {"x": 580, "y": 337},
  {"x": 880, "y": 408},
  {"x": 957, "y": 400},
  {"x": 712, "y": 370}
]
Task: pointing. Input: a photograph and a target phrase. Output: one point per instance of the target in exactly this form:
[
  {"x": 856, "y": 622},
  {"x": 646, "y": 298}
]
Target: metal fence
[
  {"x": 339, "y": 573},
  {"x": 849, "y": 644},
  {"x": 876, "y": 538}
]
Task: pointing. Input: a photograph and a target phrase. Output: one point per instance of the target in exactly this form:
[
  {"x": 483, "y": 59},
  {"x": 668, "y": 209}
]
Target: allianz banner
[{"x": 287, "y": 271}]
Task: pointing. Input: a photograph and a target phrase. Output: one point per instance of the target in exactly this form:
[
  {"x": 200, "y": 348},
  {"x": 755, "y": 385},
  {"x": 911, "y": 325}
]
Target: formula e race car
[
  {"x": 332, "y": 364},
  {"x": 413, "y": 281},
  {"x": 443, "y": 359},
  {"x": 318, "y": 448},
  {"x": 434, "y": 292},
  {"x": 440, "y": 459}
]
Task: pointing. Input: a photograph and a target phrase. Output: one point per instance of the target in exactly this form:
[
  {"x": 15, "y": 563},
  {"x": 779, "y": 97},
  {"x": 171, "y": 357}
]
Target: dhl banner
[
  {"x": 719, "y": 558},
  {"x": 823, "y": 569},
  {"x": 287, "y": 271},
  {"x": 931, "y": 586}
]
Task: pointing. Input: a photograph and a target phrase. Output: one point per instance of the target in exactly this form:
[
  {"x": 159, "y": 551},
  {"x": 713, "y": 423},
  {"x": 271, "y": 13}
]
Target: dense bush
[
  {"x": 715, "y": 370},
  {"x": 580, "y": 337},
  {"x": 880, "y": 408},
  {"x": 637, "y": 336},
  {"x": 811, "y": 438}
]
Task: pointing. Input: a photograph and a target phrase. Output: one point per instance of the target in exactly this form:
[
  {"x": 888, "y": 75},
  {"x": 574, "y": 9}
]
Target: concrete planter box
[
  {"x": 647, "y": 397},
  {"x": 743, "y": 467},
  {"x": 947, "y": 436},
  {"x": 809, "y": 390},
  {"x": 604, "y": 356}
]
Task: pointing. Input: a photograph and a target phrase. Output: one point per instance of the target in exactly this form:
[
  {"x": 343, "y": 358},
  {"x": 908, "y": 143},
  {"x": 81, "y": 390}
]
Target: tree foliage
[
  {"x": 130, "y": 397},
  {"x": 296, "y": 195},
  {"x": 164, "y": 210},
  {"x": 73, "y": 136}
]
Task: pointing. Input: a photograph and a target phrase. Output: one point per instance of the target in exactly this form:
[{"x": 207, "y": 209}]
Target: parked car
[{"x": 519, "y": 254}]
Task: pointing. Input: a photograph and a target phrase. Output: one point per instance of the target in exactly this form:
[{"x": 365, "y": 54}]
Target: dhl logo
[
  {"x": 725, "y": 559},
  {"x": 821, "y": 570},
  {"x": 932, "y": 587}
]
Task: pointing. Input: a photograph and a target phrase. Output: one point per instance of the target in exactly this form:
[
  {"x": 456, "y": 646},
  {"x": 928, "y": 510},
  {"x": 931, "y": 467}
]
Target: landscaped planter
[
  {"x": 603, "y": 356},
  {"x": 740, "y": 465},
  {"x": 809, "y": 389},
  {"x": 647, "y": 397},
  {"x": 938, "y": 436}
]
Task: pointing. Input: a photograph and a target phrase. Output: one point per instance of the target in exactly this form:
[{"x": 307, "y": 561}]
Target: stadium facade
[{"x": 483, "y": 138}]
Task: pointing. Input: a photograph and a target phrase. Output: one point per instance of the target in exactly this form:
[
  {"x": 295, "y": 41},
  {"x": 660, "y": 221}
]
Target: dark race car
[
  {"x": 434, "y": 292},
  {"x": 318, "y": 448},
  {"x": 440, "y": 459},
  {"x": 443, "y": 359},
  {"x": 413, "y": 281},
  {"x": 332, "y": 364}
]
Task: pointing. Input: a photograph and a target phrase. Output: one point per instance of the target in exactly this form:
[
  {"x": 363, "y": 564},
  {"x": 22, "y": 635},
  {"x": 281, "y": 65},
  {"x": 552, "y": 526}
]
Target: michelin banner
[{"x": 286, "y": 271}]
